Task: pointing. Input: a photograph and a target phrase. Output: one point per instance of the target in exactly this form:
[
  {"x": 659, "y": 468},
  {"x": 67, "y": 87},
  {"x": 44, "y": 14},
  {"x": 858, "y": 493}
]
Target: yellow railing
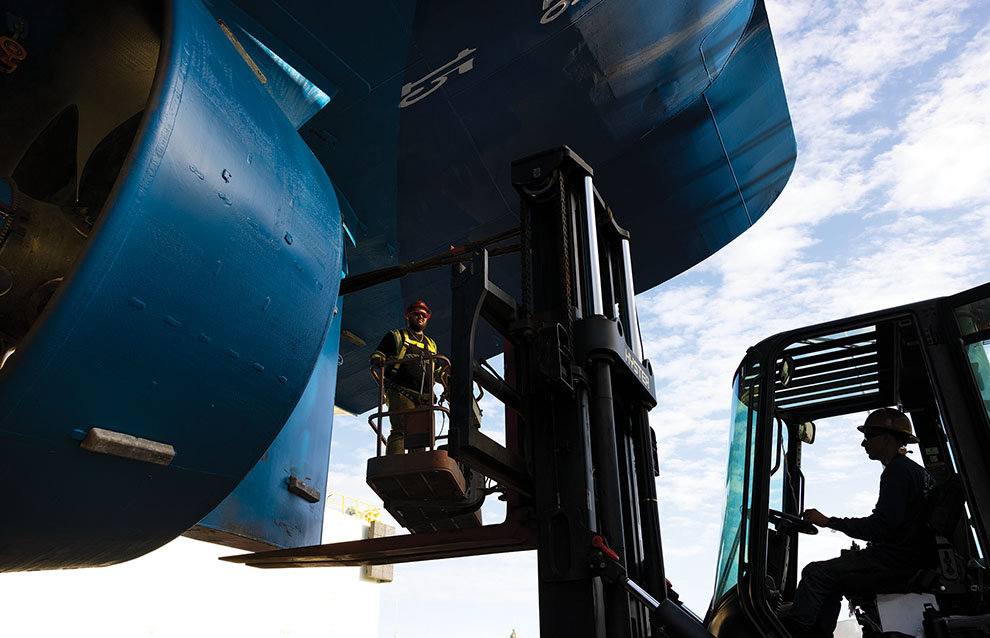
[{"x": 354, "y": 507}]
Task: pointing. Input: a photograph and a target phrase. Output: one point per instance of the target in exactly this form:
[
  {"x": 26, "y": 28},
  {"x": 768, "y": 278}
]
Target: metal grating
[{"x": 837, "y": 374}]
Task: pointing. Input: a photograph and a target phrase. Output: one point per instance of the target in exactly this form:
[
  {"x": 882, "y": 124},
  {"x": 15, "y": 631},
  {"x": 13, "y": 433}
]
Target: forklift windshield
[
  {"x": 973, "y": 320},
  {"x": 739, "y": 474}
]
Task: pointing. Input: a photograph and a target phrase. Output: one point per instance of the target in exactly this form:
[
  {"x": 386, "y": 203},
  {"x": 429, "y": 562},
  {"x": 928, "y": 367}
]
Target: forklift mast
[{"x": 584, "y": 454}]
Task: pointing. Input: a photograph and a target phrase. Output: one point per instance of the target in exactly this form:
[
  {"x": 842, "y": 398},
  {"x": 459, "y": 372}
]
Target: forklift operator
[
  {"x": 899, "y": 541},
  {"x": 407, "y": 384}
]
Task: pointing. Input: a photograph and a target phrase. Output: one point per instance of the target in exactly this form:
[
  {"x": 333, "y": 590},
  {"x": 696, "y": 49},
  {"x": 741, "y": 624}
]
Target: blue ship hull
[{"x": 234, "y": 159}]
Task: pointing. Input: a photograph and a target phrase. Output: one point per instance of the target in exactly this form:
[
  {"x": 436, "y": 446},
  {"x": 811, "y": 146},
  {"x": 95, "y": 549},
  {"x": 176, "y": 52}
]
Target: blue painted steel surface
[
  {"x": 262, "y": 508},
  {"x": 427, "y": 115},
  {"x": 194, "y": 318},
  {"x": 679, "y": 106}
]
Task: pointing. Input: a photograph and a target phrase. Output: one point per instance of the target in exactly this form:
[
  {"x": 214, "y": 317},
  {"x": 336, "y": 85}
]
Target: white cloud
[{"x": 943, "y": 158}]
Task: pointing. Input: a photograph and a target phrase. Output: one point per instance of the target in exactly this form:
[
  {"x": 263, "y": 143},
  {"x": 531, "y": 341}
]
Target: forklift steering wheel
[{"x": 794, "y": 522}]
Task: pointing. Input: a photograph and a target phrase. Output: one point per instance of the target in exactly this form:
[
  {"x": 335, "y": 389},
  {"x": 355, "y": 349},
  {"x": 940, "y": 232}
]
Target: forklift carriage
[{"x": 423, "y": 489}]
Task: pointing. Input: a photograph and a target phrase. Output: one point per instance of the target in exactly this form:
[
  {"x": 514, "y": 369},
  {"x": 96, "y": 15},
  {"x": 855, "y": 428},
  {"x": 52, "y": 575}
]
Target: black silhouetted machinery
[
  {"x": 930, "y": 360},
  {"x": 577, "y": 460}
]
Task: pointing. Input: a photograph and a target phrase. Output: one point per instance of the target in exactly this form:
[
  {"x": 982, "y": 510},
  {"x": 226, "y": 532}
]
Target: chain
[
  {"x": 527, "y": 258},
  {"x": 565, "y": 255}
]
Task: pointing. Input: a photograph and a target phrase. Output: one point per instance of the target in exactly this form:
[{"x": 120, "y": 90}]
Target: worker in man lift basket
[
  {"x": 900, "y": 543},
  {"x": 407, "y": 384}
]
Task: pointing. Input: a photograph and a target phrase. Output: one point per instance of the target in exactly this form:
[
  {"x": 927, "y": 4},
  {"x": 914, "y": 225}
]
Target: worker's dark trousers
[
  {"x": 397, "y": 400},
  {"x": 856, "y": 573}
]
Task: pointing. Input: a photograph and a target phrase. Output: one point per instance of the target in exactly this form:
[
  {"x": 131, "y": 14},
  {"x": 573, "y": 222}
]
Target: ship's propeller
[
  {"x": 75, "y": 106},
  {"x": 50, "y": 224}
]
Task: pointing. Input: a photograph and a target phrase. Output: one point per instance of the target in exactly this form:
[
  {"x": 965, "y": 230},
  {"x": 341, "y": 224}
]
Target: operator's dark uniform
[
  {"x": 407, "y": 384},
  {"x": 900, "y": 544}
]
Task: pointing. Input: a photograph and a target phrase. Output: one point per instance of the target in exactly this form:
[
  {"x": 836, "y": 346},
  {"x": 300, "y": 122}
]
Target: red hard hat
[{"x": 419, "y": 304}]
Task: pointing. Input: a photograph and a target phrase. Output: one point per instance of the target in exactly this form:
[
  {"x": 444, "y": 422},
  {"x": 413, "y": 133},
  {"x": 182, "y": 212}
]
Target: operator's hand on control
[
  {"x": 378, "y": 363},
  {"x": 815, "y": 517}
]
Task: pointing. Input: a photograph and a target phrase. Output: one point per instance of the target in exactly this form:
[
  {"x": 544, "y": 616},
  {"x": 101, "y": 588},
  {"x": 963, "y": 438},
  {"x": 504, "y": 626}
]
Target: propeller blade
[
  {"x": 47, "y": 170},
  {"x": 104, "y": 164}
]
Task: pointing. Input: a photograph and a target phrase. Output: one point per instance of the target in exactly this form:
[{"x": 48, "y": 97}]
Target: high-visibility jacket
[
  {"x": 405, "y": 344},
  {"x": 401, "y": 344}
]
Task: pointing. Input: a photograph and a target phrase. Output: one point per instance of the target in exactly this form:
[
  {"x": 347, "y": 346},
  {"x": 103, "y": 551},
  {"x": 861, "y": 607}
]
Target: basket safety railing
[{"x": 436, "y": 369}]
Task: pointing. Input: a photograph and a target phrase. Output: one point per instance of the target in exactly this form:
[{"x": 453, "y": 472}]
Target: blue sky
[{"x": 889, "y": 203}]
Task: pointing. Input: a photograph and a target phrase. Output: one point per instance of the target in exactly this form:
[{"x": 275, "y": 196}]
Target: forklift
[
  {"x": 930, "y": 359},
  {"x": 576, "y": 462}
]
